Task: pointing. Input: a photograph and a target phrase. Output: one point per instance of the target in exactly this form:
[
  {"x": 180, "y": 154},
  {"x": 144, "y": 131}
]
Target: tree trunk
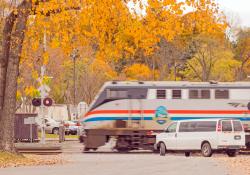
[
  {"x": 9, "y": 103},
  {"x": 8, "y": 26},
  {"x": 9, "y": 22}
]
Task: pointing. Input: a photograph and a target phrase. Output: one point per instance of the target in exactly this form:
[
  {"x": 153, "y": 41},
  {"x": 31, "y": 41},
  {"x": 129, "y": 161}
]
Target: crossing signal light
[
  {"x": 47, "y": 102},
  {"x": 36, "y": 102}
]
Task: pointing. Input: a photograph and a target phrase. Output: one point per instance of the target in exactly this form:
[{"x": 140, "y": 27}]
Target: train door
[{"x": 136, "y": 113}]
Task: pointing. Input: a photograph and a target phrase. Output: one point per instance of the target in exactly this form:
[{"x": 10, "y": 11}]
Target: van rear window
[
  {"x": 226, "y": 125},
  {"x": 198, "y": 126},
  {"x": 237, "y": 126}
]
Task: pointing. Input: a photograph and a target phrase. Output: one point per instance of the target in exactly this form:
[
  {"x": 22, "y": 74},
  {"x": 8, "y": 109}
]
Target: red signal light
[{"x": 47, "y": 102}]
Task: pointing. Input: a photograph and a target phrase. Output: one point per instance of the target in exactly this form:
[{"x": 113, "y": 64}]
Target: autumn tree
[
  {"x": 211, "y": 60},
  {"x": 242, "y": 53},
  {"x": 139, "y": 72}
]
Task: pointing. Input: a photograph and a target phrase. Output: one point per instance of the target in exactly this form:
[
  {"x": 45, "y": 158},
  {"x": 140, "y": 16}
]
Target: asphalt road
[{"x": 126, "y": 164}]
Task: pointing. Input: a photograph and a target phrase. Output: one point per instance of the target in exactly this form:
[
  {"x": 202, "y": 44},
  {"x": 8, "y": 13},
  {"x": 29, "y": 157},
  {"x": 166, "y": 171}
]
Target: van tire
[
  {"x": 206, "y": 149},
  {"x": 162, "y": 149},
  {"x": 187, "y": 154},
  {"x": 231, "y": 153}
]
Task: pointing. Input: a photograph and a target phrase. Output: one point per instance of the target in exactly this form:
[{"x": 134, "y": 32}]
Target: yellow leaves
[
  {"x": 31, "y": 91},
  {"x": 205, "y": 18},
  {"x": 18, "y": 95},
  {"x": 139, "y": 72},
  {"x": 34, "y": 75},
  {"x": 54, "y": 43},
  {"x": 45, "y": 58},
  {"x": 46, "y": 80},
  {"x": 16, "y": 160},
  {"x": 102, "y": 67}
]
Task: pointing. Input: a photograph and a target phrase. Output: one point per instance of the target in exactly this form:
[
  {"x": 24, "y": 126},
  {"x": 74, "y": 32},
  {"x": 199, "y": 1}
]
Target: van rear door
[
  {"x": 239, "y": 134},
  {"x": 226, "y": 136}
]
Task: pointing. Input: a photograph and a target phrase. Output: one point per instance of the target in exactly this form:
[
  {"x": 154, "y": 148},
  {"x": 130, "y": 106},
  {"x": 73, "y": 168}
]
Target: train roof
[{"x": 181, "y": 84}]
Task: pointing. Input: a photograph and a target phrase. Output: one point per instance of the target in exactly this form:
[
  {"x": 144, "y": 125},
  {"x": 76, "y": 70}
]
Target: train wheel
[
  {"x": 122, "y": 150},
  {"x": 86, "y": 149}
]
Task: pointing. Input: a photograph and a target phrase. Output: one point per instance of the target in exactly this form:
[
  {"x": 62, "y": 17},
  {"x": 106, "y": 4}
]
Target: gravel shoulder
[
  {"x": 125, "y": 164},
  {"x": 239, "y": 165}
]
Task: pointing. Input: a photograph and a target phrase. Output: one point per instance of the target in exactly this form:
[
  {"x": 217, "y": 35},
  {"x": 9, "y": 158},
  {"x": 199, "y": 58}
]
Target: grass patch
[
  {"x": 54, "y": 136},
  {"x": 9, "y": 159},
  {"x": 5, "y": 156},
  {"x": 16, "y": 160}
]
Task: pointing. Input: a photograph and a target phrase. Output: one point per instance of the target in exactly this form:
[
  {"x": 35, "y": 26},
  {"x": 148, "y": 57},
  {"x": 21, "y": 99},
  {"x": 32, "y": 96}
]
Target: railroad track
[
  {"x": 40, "y": 152},
  {"x": 41, "y": 149},
  {"x": 245, "y": 152}
]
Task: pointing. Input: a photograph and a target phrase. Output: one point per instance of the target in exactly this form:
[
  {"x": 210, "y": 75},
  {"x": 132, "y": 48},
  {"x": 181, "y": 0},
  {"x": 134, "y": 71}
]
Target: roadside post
[
  {"x": 61, "y": 132},
  {"x": 30, "y": 121}
]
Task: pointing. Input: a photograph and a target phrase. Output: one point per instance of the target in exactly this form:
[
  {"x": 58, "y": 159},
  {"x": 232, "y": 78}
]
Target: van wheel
[
  {"x": 206, "y": 150},
  {"x": 162, "y": 149},
  {"x": 231, "y": 153},
  {"x": 187, "y": 154}
]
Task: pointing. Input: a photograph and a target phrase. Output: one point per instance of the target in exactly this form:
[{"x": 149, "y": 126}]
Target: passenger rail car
[{"x": 131, "y": 111}]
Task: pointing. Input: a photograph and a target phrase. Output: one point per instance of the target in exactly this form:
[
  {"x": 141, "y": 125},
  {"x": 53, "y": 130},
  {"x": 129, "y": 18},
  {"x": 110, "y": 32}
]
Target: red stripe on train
[{"x": 170, "y": 111}]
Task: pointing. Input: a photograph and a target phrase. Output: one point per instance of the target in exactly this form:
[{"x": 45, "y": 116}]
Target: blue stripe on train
[{"x": 151, "y": 118}]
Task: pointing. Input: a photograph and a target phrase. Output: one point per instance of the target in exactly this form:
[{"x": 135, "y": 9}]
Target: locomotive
[{"x": 132, "y": 112}]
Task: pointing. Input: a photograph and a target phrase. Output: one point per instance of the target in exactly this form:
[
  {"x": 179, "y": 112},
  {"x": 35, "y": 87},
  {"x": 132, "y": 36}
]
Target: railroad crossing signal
[
  {"x": 38, "y": 102},
  {"x": 44, "y": 90}
]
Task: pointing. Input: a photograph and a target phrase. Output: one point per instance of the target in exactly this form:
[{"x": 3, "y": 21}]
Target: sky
[
  {"x": 238, "y": 10},
  {"x": 237, "y": 7}
]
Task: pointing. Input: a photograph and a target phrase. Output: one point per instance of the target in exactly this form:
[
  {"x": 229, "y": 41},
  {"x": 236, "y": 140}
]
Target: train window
[
  {"x": 117, "y": 94},
  {"x": 161, "y": 94},
  {"x": 193, "y": 94},
  {"x": 199, "y": 94},
  {"x": 176, "y": 94},
  {"x": 205, "y": 94},
  {"x": 221, "y": 94}
]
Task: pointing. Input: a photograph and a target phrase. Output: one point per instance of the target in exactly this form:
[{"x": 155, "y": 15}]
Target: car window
[
  {"x": 226, "y": 125},
  {"x": 237, "y": 126},
  {"x": 187, "y": 126},
  {"x": 172, "y": 127},
  {"x": 206, "y": 126}
]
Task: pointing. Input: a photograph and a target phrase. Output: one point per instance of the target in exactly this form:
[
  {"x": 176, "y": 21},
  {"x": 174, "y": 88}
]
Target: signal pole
[{"x": 43, "y": 91}]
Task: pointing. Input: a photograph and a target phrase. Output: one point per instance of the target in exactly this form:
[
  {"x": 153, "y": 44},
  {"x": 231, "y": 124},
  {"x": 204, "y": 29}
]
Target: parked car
[
  {"x": 205, "y": 135},
  {"x": 72, "y": 127},
  {"x": 51, "y": 126}
]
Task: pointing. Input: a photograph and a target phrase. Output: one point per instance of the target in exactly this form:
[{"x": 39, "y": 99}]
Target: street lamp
[{"x": 74, "y": 55}]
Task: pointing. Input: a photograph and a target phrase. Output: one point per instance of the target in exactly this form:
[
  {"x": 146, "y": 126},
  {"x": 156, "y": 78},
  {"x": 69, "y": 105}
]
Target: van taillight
[
  {"x": 245, "y": 127},
  {"x": 219, "y": 128}
]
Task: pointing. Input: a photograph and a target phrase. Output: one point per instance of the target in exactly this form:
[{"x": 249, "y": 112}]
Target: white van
[{"x": 206, "y": 135}]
